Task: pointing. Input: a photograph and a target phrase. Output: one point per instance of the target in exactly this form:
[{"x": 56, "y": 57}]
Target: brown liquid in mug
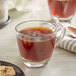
[{"x": 37, "y": 50}]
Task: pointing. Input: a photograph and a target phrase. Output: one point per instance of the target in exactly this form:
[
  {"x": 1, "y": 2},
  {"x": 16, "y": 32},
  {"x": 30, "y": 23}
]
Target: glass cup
[
  {"x": 37, "y": 39},
  {"x": 62, "y": 9}
]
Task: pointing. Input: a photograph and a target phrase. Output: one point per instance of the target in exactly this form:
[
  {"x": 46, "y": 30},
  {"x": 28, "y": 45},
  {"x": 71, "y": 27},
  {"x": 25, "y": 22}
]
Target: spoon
[{"x": 72, "y": 30}]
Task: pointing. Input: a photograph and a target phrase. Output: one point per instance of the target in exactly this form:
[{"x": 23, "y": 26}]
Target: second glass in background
[{"x": 62, "y": 9}]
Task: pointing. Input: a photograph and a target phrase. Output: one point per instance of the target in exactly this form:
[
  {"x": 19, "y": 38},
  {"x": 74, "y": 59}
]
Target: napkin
[
  {"x": 11, "y": 4},
  {"x": 20, "y": 5},
  {"x": 68, "y": 42}
]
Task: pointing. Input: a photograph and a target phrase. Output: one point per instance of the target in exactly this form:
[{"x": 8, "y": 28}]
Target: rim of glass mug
[{"x": 44, "y": 23}]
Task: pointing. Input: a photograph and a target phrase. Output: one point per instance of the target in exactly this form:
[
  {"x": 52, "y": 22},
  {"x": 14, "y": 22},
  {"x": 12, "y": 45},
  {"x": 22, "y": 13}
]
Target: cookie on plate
[{"x": 7, "y": 71}]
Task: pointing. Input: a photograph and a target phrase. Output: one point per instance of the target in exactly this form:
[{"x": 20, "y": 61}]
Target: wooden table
[{"x": 62, "y": 63}]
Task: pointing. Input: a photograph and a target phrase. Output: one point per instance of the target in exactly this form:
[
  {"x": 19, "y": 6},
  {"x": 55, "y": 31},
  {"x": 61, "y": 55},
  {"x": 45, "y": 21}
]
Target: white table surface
[{"x": 62, "y": 63}]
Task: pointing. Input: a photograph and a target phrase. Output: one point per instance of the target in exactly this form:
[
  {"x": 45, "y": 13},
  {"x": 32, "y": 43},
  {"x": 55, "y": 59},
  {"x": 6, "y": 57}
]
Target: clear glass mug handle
[{"x": 61, "y": 31}]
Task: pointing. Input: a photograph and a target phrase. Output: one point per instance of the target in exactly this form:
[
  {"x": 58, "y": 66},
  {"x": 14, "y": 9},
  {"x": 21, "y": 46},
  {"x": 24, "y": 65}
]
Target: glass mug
[
  {"x": 62, "y": 9},
  {"x": 37, "y": 39}
]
